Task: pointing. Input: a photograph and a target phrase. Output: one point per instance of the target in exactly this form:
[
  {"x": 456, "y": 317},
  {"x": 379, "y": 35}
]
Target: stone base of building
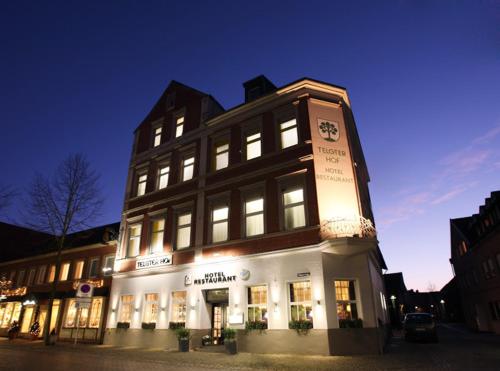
[{"x": 314, "y": 342}]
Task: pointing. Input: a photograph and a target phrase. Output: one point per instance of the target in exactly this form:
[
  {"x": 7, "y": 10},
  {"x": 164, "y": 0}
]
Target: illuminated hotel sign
[
  {"x": 335, "y": 182},
  {"x": 153, "y": 262},
  {"x": 214, "y": 277}
]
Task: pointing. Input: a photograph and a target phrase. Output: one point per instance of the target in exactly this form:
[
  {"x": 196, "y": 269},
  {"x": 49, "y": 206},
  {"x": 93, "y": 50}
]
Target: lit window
[
  {"x": 52, "y": 274},
  {"x": 188, "y": 168},
  {"x": 150, "y": 308},
  {"x": 179, "y": 306},
  {"x": 40, "y": 276},
  {"x": 179, "y": 126},
  {"x": 254, "y": 217},
  {"x": 220, "y": 223},
  {"x": 20, "y": 278},
  {"x": 294, "y": 210},
  {"x": 257, "y": 303},
  {"x": 71, "y": 313},
  {"x": 95, "y": 312},
  {"x": 253, "y": 148},
  {"x": 94, "y": 268},
  {"x": 157, "y": 227},
  {"x": 183, "y": 231},
  {"x": 141, "y": 185},
  {"x": 126, "y": 308},
  {"x": 134, "y": 240},
  {"x": 109, "y": 263},
  {"x": 289, "y": 133},
  {"x": 157, "y": 139},
  {"x": 63, "y": 274},
  {"x": 300, "y": 301},
  {"x": 78, "y": 270},
  {"x": 345, "y": 293},
  {"x": 221, "y": 156},
  {"x": 31, "y": 277},
  {"x": 9, "y": 312},
  {"x": 163, "y": 177}
]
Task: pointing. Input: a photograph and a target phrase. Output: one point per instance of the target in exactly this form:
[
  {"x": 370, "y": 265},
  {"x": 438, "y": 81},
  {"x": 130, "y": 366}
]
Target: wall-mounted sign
[
  {"x": 153, "y": 262},
  {"x": 244, "y": 274},
  {"x": 214, "y": 277},
  {"x": 84, "y": 290},
  {"x": 236, "y": 319}
]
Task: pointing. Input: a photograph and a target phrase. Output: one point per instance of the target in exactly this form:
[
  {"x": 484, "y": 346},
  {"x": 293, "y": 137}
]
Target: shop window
[
  {"x": 254, "y": 217},
  {"x": 220, "y": 223},
  {"x": 179, "y": 126},
  {"x": 70, "y": 320},
  {"x": 163, "y": 177},
  {"x": 253, "y": 147},
  {"x": 9, "y": 312},
  {"x": 257, "y": 303},
  {"x": 221, "y": 159},
  {"x": 345, "y": 294},
  {"x": 40, "y": 276},
  {"x": 294, "y": 208},
  {"x": 150, "y": 308},
  {"x": 183, "y": 239},
  {"x": 78, "y": 270},
  {"x": 52, "y": 274},
  {"x": 94, "y": 268},
  {"x": 109, "y": 265},
  {"x": 289, "y": 133},
  {"x": 20, "y": 278},
  {"x": 300, "y": 301},
  {"x": 95, "y": 312},
  {"x": 63, "y": 274},
  {"x": 31, "y": 277},
  {"x": 179, "y": 306},
  {"x": 27, "y": 318},
  {"x": 188, "y": 168},
  {"x": 156, "y": 239},
  {"x": 126, "y": 308},
  {"x": 141, "y": 184},
  {"x": 157, "y": 137},
  {"x": 134, "y": 240}
]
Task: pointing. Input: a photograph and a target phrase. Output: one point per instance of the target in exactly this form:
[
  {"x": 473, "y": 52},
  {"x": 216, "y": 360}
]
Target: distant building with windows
[
  {"x": 27, "y": 270},
  {"x": 256, "y": 217},
  {"x": 475, "y": 257}
]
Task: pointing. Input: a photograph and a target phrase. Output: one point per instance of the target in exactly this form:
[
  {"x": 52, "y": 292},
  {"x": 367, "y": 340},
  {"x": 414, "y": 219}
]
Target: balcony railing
[{"x": 348, "y": 227}]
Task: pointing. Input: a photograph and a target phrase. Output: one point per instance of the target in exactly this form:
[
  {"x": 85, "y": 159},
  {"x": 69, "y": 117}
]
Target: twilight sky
[{"x": 423, "y": 78}]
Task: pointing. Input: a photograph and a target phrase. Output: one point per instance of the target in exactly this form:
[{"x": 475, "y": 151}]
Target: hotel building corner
[{"x": 257, "y": 217}]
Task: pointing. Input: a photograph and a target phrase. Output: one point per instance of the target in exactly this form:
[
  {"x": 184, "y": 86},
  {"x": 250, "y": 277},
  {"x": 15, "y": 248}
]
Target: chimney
[{"x": 257, "y": 87}]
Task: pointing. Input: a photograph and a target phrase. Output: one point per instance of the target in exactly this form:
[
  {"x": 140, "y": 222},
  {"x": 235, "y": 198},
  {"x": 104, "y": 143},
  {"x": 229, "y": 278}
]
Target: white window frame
[
  {"x": 178, "y": 227},
  {"x": 260, "y": 305},
  {"x": 284, "y": 207},
  {"x": 142, "y": 182},
  {"x": 148, "y": 304},
  {"x": 214, "y": 223},
  {"x": 157, "y": 131},
  {"x": 131, "y": 306},
  {"x": 163, "y": 172},
  {"x": 247, "y": 215},
  {"x": 152, "y": 233},
  {"x": 298, "y": 303},
  {"x": 91, "y": 260},
  {"x": 286, "y": 126},
  {"x": 188, "y": 162},
  {"x": 179, "y": 126},
  {"x": 107, "y": 258},
  {"x": 175, "y": 303},
  {"x": 249, "y": 142},
  {"x": 129, "y": 237},
  {"x": 349, "y": 301},
  {"x": 221, "y": 151}
]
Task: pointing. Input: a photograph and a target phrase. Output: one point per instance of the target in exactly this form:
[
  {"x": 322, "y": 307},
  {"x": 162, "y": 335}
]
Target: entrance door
[{"x": 218, "y": 300}]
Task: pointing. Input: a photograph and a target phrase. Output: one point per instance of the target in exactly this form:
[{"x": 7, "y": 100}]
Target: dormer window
[{"x": 179, "y": 126}]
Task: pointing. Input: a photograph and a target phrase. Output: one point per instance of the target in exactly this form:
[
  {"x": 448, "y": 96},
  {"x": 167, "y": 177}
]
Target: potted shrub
[
  {"x": 176, "y": 325},
  {"x": 230, "y": 340},
  {"x": 183, "y": 336},
  {"x": 123, "y": 325},
  {"x": 149, "y": 325}
]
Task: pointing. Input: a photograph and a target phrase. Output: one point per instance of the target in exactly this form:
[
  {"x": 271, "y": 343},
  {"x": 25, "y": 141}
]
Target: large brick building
[
  {"x": 256, "y": 216},
  {"x": 475, "y": 257}
]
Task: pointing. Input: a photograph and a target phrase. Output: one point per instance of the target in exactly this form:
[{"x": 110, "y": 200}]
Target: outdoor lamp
[
  {"x": 393, "y": 297},
  {"x": 442, "y": 301}
]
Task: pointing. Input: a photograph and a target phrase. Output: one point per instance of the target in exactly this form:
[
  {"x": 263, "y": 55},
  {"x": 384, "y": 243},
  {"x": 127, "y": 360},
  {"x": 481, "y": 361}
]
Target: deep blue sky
[{"x": 423, "y": 78}]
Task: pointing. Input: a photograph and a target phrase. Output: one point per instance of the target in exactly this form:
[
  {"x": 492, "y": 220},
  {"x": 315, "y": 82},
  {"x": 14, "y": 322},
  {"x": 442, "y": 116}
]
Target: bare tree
[
  {"x": 64, "y": 203},
  {"x": 431, "y": 286},
  {"x": 6, "y": 196}
]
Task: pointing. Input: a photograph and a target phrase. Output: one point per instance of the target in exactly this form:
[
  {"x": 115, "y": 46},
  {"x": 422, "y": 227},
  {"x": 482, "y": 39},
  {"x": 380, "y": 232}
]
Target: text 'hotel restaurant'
[{"x": 256, "y": 217}]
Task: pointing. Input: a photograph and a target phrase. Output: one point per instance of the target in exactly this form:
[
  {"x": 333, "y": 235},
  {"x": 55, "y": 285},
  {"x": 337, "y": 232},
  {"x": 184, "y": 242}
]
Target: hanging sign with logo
[{"x": 153, "y": 262}]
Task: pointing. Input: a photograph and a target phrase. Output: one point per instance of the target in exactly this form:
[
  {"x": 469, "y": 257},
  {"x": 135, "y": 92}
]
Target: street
[{"x": 458, "y": 349}]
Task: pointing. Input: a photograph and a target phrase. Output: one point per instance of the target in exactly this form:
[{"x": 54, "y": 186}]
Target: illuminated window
[
  {"x": 157, "y": 228},
  {"x": 141, "y": 184},
  {"x": 345, "y": 293},
  {"x": 187, "y": 168},
  {"x": 253, "y": 146},
  {"x": 95, "y": 312},
  {"x": 31, "y": 277},
  {"x": 40, "y": 276},
  {"x": 71, "y": 311},
  {"x": 78, "y": 270},
  {"x": 20, "y": 278},
  {"x": 179, "y": 306},
  {"x": 300, "y": 301},
  {"x": 9, "y": 312},
  {"x": 179, "y": 126},
  {"x": 63, "y": 274},
  {"x": 294, "y": 209},
  {"x": 109, "y": 265},
  {"x": 221, "y": 156},
  {"x": 220, "y": 223},
  {"x": 126, "y": 308},
  {"x": 134, "y": 240},
  {"x": 94, "y": 268},
  {"x": 289, "y": 133},
  {"x": 257, "y": 303},
  {"x": 150, "y": 308},
  {"x": 52, "y": 274},
  {"x": 157, "y": 138},
  {"x": 254, "y": 217},
  {"x": 163, "y": 177},
  {"x": 183, "y": 231}
]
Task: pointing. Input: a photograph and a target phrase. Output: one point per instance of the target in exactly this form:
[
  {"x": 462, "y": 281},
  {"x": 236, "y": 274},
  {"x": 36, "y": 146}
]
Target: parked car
[{"x": 420, "y": 326}]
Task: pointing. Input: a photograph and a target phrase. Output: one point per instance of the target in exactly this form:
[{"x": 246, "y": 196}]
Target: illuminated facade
[{"x": 257, "y": 217}]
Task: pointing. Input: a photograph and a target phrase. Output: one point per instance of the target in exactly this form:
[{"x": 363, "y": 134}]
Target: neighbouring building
[
  {"x": 27, "y": 271},
  {"x": 255, "y": 217},
  {"x": 475, "y": 257}
]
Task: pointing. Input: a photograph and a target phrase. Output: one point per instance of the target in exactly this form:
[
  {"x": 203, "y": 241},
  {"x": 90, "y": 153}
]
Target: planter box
[
  {"x": 123, "y": 325},
  {"x": 231, "y": 347},
  {"x": 149, "y": 326},
  {"x": 184, "y": 345}
]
